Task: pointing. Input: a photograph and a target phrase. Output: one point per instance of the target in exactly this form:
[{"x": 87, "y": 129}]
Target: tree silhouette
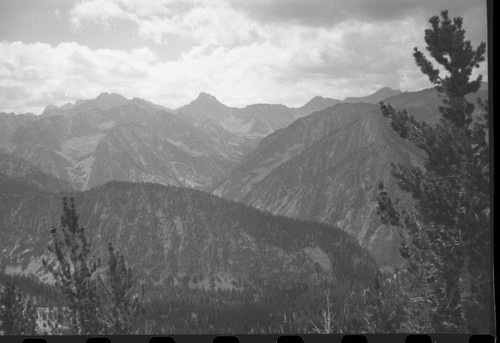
[
  {"x": 75, "y": 273},
  {"x": 449, "y": 246},
  {"x": 17, "y": 312},
  {"x": 124, "y": 297}
]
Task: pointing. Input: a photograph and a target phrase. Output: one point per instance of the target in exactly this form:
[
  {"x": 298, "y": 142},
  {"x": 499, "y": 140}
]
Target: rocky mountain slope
[
  {"x": 252, "y": 122},
  {"x": 167, "y": 232},
  {"x": 10, "y": 122},
  {"x": 259, "y": 120},
  {"x": 17, "y": 176},
  {"x": 113, "y": 138},
  {"x": 94, "y": 141},
  {"x": 327, "y": 166}
]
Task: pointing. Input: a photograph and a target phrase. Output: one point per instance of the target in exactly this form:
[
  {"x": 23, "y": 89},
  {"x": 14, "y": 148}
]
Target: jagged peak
[
  {"x": 320, "y": 100},
  {"x": 387, "y": 89},
  {"x": 206, "y": 96},
  {"x": 374, "y": 97},
  {"x": 49, "y": 109},
  {"x": 110, "y": 96},
  {"x": 318, "y": 97},
  {"x": 66, "y": 106}
]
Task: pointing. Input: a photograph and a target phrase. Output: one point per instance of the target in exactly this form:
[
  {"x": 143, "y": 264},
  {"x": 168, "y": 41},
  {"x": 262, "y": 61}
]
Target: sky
[{"x": 240, "y": 51}]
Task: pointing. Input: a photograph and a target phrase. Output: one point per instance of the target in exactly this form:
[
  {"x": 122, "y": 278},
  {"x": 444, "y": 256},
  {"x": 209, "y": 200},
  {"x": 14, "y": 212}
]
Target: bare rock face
[
  {"x": 112, "y": 138},
  {"x": 94, "y": 141},
  {"x": 170, "y": 233},
  {"x": 251, "y": 122}
]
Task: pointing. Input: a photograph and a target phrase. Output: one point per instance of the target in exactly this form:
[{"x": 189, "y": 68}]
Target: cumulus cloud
[
  {"x": 40, "y": 73},
  {"x": 98, "y": 10},
  {"x": 207, "y": 23},
  {"x": 290, "y": 67},
  {"x": 235, "y": 52},
  {"x": 104, "y": 10}
]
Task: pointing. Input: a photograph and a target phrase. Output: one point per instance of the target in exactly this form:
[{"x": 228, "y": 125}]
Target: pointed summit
[
  {"x": 318, "y": 103},
  {"x": 376, "y": 97},
  {"x": 205, "y": 106},
  {"x": 206, "y": 97},
  {"x": 50, "y": 110},
  {"x": 205, "y": 101},
  {"x": 106, "y": 101}
]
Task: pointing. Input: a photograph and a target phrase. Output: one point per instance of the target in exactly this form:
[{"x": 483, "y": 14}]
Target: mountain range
[
  {"x": 91, "y": 142},
  {"x": 321, "y": 162}
]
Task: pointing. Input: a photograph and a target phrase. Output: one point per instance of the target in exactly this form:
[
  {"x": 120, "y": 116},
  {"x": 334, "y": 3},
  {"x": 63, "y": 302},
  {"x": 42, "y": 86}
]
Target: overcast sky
[{"x": 241, "y": 51}]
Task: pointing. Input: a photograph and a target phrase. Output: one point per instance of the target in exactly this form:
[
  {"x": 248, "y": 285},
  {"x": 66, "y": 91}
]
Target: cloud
[
  {"x": 39, "y": 74},
  {"x": 332, "y": 12},
  {"x": 201, "y": 22},
  {"x": 236, "y": 55},
  {"x": 98, "y": 11},
  {"x": 289, "y": 68},
  {"x": 105, "y": 10}
]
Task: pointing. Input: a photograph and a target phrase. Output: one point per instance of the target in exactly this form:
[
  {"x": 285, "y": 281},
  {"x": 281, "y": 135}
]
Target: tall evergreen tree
[
  {"x": 17, "y": 312},
  {"x": 449, "y": 246},
  {"x": 124, "y": 295},
  {"x": 75, "y": 272}
]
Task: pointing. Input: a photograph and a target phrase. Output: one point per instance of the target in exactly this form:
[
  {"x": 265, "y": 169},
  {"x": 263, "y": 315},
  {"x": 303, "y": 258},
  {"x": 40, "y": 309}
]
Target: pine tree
[
  {"x": 75, "y": 273},
  {"x": 449, "y": 246},
  {"x": 17, "y": 312},
  {"x": 124, "y": 294}
]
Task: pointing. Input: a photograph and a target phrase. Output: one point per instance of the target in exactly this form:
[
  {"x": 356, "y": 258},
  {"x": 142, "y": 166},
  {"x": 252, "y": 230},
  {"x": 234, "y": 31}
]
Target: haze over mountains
[{"x": 320, "y": 162}]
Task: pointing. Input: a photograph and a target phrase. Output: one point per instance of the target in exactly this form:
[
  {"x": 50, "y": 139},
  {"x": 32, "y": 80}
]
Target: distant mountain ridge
[
  {"x": 318, "y": 103},
  {"x": 376, "y": 97},
  {"x": 252, "y": 122},
  {"x": 103, "y": 102},
  {"x": 84, "y": 142},
  {"x": 113, "y": 138}
]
